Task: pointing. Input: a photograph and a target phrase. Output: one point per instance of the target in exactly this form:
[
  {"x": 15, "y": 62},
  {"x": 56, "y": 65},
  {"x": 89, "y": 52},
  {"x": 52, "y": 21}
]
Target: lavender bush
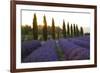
[
  {"x": 82, "y": 43},
  {"x": 45, "y": 53},
  {"x": 28, "y": 46},
  {"x": 73, "y": 51}
]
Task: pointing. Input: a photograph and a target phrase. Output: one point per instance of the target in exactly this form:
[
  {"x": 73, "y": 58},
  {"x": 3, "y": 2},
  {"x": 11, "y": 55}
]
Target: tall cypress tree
[
  {"x": 53, "y": 28},
  {"x": 64, "y": 29},
  {"x": 77, "y": 31},
  {"x": 35, "y": 28},
  {"x": 81, "y": 31},
  {"x": 71, "y": 30},
  {"x": 44, "y": 28},
  {"x": 68, "y": 30},
  {"x": 74, "y": 31}
]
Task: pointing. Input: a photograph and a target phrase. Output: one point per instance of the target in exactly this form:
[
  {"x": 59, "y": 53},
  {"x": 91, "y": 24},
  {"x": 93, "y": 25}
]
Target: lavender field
[
  {"x": 56, "y": 50},
  {"x": 51, "y": 41}
]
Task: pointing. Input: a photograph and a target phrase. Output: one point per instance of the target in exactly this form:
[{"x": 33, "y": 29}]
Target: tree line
[{"x": 71, "y": 31}]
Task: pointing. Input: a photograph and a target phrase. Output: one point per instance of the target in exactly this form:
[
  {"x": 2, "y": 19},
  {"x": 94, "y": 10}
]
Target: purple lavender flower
[
  {"x": 73, "y": 51},
  {"x": 28, "y": 46},
  {"x": 43, "y": 54},
  {"x": 82, "y": 43}
]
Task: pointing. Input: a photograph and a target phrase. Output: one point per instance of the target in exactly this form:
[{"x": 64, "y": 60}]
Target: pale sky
[{"x": 79, "y": 18}]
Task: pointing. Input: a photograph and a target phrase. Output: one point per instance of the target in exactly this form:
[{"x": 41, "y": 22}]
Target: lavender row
[
  {"x": 43, "y": 54},
  {"x": 28, "y": 46},
  {"x": 82, "y": 43},
  {"x": 72, "y": 51},
  {"x": 83, "y": 38}
]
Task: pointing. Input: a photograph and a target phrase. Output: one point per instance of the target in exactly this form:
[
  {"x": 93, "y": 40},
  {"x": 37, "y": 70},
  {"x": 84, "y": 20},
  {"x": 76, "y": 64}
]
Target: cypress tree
[
  {"x": 77, "y": 31},
  {"x": 44, "y": 28},
  {"x": 71, "y": 30},
  {"x": 35, "y": 28},
  {"x": 53, "y": 29},
  {"x": 64, "y": 29},
  {"x": 74, "y": 31},
  {"x": 68, "y": 30},
  {"x": 81, "y": 31}
]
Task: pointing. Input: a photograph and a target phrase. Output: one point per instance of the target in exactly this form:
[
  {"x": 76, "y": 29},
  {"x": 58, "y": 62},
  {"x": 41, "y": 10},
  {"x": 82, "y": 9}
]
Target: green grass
[{"x": 60, "y": 53}]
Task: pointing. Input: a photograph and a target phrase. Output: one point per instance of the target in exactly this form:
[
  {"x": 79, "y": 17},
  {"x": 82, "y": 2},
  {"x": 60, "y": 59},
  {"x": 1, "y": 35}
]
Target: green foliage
[
  {"x": 45, "y": 28},
  {"x": 35, "y": 28},
  {"x": 72, "y": 32},
  {"x": 26, "y": 32},
  {"x": 60, "y": 52},
  {"x": 58, "y": 35},
  {"x": 53, "y": 29},
  {"x": 58, "y": 32},
  {"x": 81, "y": 31},
  {"x": 77, "y": 31},
  {"x": 64, "y": 29},
  {"x": 39, "y": 32},
  {"x": 68, "y": 30},
  {"x": 49, "y": 30}
]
